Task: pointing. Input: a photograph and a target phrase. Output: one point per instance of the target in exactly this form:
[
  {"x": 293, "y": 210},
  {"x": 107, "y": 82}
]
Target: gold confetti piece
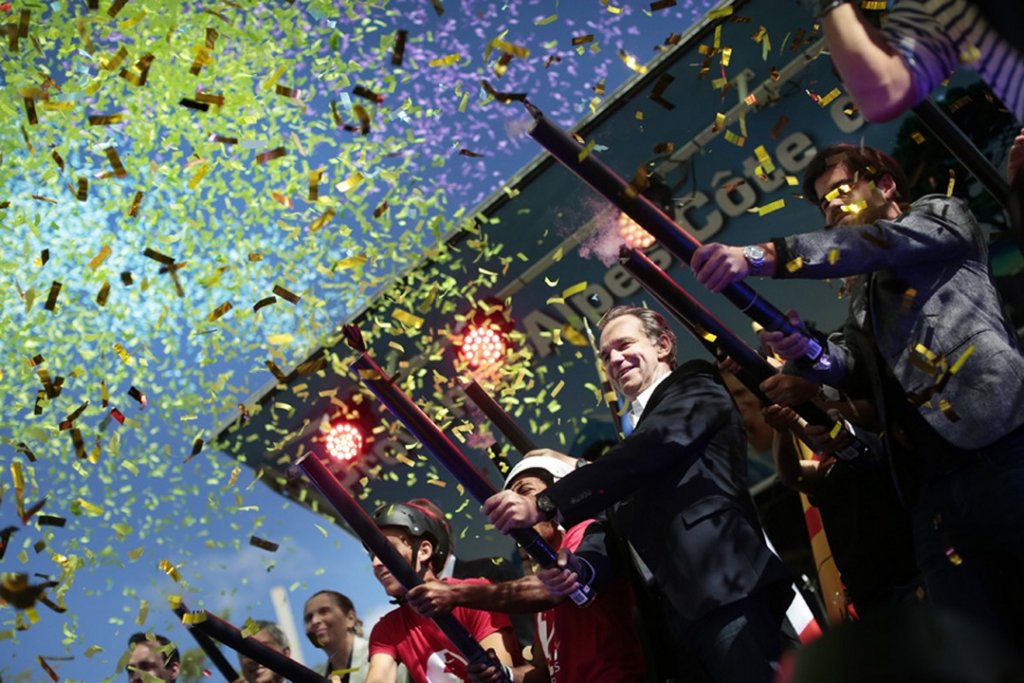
[
  {"x": 47, "y": 668},
  {"x": 582, "y": 40},
  {"x": 827, "y": 99},
  {"x": 270, "y": 155},
  {"x": 947, "y": 410},
  {"x": 407, "y": 318},
  {"x": 192, "y": 618},
  {"x": 351, "y": 183},
  {"x": 769, "y": 208},
  {"x": 264, "y": 302},
  {"x": 445, "y": 61},
  {"x": 585, "y": 152},
  {"x": 274, "y": 77},
  {"x": 720, "y": 13},
  {"x": 917, "y": 137},
  {"x": 170, "y": 570},
  {"x": 544, "y": 21},
  {"x": 218, "y": 312},
  {"x": 140, "y": 619},
  {"x": 51, "y": 298},
  {"x": 971, "y": 55},
  {"x": 575, "y": 289},
  {"x": 836, "y": 429},
  {"x": 280, "y": 340},
  {"x": 961, "y": 360},
  {"x": 764, "y": 159},
  {"x": 351, "y": 262},
  {"x": 322, "y": 220},
  {"x": 158, "y": 257},
  {"x": 133, "y": 210},
  {"x": 123, "y": 354},
  {"x": 105, "y": 119},
  {"x": 631, "y": 62},
  {"x": 263, "y": 544},
  {"x": 115, "y": 162},
  {"x": 854, "y": 207},
  {"x": 795, "y": 265},
  {"x": 952, "y": 183},
  {"x": 250, "y": 627},
  {"x": 103, "y": 294},
  {"x": 735, "y": 139},
  {"x": 286, "y": 295},
  {"x": 94, "y": 510},
  {"x": 833, "y": 256}
]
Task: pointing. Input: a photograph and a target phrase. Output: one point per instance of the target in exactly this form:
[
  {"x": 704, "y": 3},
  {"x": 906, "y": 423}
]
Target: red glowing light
[
  {"x": 482, "y": 346},
  {"x": 344, "y": 441},
  {"x": 633, "y": 234}
]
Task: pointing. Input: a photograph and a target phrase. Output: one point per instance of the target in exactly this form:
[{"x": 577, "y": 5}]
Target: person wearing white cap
[{"x": 593, "y": 644}]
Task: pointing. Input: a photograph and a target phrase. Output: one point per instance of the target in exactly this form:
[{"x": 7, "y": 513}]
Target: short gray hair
[
  {"x": 275, "y": 632},
  {"x": 654, "y": 326}
]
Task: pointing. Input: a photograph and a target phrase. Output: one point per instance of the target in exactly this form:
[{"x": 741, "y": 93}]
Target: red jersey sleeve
[{"x": 383, "y": 637}]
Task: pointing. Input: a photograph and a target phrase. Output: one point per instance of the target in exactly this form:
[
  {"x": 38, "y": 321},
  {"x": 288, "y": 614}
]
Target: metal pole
[{"x": 215, "y": 627}]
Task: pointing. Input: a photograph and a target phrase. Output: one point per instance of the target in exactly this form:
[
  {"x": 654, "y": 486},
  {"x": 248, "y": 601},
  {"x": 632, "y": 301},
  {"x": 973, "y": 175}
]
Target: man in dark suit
[{"x": 677, "y": 487}]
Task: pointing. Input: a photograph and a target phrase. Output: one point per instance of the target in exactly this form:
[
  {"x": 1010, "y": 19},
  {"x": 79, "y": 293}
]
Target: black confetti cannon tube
[
  {"x": 703, "y": 325},
  {"x": 454, "y": 460},
  {"x": 209, "y": 648},
  {"x": 364, "y": 527},
  {"x": 652, "y": 219},
  {"x": 216, "y": 628},
  {"x": 515, "y": 434}
]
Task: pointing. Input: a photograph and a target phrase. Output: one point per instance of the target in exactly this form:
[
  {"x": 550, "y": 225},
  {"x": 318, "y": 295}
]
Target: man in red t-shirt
[
  {"x": 597, "y": 643},
  {"x": 404, "y": 637}
]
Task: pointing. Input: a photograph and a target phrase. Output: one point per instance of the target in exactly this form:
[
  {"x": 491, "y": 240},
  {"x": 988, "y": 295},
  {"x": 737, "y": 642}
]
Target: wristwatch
[
  {"x": 755, "y": 257},
  {"x": 546, "y": 506}
]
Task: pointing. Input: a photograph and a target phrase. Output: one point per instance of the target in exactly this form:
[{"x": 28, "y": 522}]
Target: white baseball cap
[{"x": 556, "y": 467}]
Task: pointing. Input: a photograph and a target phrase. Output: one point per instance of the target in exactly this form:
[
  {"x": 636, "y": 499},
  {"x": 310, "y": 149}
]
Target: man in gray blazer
[{"x": 927, "y": 337}]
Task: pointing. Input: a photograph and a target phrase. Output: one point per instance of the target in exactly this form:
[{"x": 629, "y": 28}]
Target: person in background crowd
[
  {"x": 332, "y": 625},
  {"x": 928, "y": 340},
  {"x": 152, "y": 657},
  {"x": 271, "y": 636}
]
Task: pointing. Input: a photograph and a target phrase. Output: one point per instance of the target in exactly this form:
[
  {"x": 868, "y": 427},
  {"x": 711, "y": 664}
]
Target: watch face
[{"x": 754, "y": 253}]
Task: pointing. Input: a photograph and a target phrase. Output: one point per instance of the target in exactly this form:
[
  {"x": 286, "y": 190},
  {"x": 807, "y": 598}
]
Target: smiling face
[
  {"x": 633, "y": 361},
  {"x": 253, "y": 671},
  {"x": 326, "y": 622},
  {"x": 404, "y": 543},
  {"x": 850, "y": 198}
]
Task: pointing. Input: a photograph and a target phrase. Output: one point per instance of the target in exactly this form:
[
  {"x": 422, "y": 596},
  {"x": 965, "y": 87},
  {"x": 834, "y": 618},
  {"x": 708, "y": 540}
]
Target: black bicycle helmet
[{"x": 420, "y": 523}]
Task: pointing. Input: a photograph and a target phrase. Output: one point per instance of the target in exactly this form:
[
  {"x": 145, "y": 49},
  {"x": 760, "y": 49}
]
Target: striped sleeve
[{"x": 935, "y": 37}]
